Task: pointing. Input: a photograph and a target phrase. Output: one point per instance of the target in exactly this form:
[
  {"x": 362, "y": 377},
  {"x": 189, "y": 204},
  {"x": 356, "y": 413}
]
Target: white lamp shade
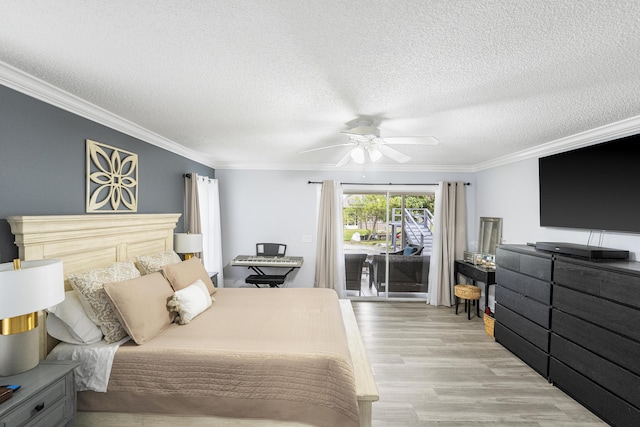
[
  {"x": 36, "y": 286},
  {"x": 374, "y": 153},
  {"x": 187, "y": 243},
  {"x": 357, "y": 154}
]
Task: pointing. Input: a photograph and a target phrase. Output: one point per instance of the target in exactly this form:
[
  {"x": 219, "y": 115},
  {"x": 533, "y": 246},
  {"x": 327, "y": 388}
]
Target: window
[{"x": 387, "y": 239}]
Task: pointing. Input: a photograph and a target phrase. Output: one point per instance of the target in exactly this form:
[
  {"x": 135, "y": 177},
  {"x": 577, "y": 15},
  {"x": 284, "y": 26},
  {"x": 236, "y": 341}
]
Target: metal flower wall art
[{"x": 112, "y": 179}]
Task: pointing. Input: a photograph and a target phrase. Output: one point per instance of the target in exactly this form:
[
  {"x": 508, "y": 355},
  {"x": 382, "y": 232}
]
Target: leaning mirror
[{"x": 490, "y": 235}]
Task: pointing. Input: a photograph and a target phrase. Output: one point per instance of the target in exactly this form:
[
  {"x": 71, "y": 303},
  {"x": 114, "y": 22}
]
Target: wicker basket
[
  {"x": 489, "y": 323},
  {"x": 466, "y": 291}
]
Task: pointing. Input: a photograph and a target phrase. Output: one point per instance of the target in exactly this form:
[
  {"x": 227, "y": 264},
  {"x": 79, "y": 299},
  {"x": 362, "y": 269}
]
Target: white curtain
[
  {"x": 449, "y": 240},
  {"x": 209, "y": 208},
  {"x": 329, "y": 253}
]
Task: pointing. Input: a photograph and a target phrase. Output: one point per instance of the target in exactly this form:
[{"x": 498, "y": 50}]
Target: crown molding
[
  {"x": 608, "y": 132},
  {"x": 27, "y": 84},
  {"x": 349, "y": 167}
]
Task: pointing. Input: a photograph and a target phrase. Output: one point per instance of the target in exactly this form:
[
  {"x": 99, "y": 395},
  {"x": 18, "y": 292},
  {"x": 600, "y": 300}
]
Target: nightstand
[
  {"x": 47, "y": 396},
  {"x": 214, "y": 278}
]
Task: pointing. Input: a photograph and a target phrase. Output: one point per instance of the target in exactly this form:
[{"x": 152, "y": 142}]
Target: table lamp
[
  {"x": 187, "y": 243},
  {"x": 25, "y": 288}
]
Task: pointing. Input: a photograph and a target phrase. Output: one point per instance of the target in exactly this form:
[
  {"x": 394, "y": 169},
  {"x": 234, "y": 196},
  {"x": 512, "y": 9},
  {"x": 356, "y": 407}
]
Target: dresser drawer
[
  {"x": 616, "y": 348},
  {"x": 53, "y": 417},
  {"x": 31, "y": 409},
  {"x": 609, "y": 376},
  {"x": 603, "y": 403},
  {"x": 619, "y": 287},
  {"x": 533, "y": 264},
  {"x": 621, "y": 319},
  {"x": 526, "y": 307},
  {"x": 528, "y": 330},
  {"x": 526, "y": 285},
  {"x": 529, "y": 353}
]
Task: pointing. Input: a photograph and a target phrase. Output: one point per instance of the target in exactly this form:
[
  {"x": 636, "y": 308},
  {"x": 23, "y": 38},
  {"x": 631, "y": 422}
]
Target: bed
[{"x": 254, "y": 369}]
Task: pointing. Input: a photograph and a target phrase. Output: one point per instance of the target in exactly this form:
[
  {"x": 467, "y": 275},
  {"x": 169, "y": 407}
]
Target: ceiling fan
[{"x": 366, "y": 140}]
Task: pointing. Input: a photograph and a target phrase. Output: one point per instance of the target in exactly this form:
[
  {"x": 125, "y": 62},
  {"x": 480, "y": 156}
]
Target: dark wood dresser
[
  {"x": 593, "y": 326},
  {"x": 523, "y": 304}
]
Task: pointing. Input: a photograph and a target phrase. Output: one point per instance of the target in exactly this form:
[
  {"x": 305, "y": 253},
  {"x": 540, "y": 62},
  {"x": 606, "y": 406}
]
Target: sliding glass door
[
  {"x": 387, "y": 242},
  {"x": 365, "y": 237}
]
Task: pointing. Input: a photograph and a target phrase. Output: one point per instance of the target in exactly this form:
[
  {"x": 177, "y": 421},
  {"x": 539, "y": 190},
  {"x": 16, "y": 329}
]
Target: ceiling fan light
[
  {"x": 357, "y": 154},
  {"x": 374, "y": 153}
]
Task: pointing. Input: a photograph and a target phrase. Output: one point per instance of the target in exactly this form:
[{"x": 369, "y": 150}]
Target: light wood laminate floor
[{"x": 434, "y": 368}]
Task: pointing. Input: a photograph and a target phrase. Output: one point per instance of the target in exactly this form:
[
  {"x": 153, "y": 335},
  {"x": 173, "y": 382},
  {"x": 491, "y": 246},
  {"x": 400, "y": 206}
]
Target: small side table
[
  {"x": 47, "y": 392},
  {"x": 476, "y": 274},
  {"x": 214, "y": 277}
]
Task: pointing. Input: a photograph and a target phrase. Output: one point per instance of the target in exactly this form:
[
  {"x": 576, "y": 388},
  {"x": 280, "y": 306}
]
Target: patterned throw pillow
[
  {"x": 90, "y": 288},
  {"x": 151, "y": 263}
]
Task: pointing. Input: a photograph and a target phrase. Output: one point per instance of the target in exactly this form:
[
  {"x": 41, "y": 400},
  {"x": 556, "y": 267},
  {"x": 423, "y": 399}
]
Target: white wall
[
  {"x": 511, "y": 192},
  {"x": 280, "y": 206}
]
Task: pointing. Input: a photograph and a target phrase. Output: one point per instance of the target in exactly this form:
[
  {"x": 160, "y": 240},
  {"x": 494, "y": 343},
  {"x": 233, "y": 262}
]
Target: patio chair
[
  {"x": 353, "y": 264},
  {"x": 406, "y": 273}
]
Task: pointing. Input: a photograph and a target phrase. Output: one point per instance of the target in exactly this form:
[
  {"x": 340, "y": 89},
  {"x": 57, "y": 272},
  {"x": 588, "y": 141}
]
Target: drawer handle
[{"x": 38, "y": 408}]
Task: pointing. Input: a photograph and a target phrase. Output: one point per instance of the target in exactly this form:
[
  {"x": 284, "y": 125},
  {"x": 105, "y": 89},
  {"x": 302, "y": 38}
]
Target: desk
[{"x": 477, "y": 274}]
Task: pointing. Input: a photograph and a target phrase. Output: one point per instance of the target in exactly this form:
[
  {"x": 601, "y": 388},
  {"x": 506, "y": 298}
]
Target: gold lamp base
[
  {"x": 25, "y": 288},
  {"x": 188, "y": 256},
  {"x": 19, "y": 324}
]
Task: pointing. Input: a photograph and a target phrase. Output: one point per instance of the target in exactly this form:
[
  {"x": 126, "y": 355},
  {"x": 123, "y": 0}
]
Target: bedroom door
[{"x": 387, "y": 240}]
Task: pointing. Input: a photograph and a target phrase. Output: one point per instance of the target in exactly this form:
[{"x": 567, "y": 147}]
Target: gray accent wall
[{"x": 42, "y": 165}]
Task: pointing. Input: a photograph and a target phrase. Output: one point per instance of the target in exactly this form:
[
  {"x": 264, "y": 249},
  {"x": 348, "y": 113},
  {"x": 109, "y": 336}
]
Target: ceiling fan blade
[
  {"x": 344, "y": 160},
  {"x": 393, "y": 154},
  {"x": 324, "y": 148},
  {"x": 411, "y": 140}
]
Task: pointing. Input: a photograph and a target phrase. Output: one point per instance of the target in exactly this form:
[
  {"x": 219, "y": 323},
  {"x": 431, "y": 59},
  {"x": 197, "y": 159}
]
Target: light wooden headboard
[{"x": 84, "y": 242}]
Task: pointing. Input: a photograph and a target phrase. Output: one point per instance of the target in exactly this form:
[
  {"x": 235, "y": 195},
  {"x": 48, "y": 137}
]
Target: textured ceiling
[{"x": 251, "y": 83}]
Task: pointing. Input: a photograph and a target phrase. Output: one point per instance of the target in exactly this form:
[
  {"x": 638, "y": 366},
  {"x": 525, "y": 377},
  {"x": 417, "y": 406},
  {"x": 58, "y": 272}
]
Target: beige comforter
[{"x": 277, "y": 354}]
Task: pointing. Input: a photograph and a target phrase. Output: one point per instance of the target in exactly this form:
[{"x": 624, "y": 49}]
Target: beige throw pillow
[
  {"x": 90, "y": 288},
  {"x": 151, "y": 263},
  {"x": 186, "y": 273},
  {"x": 141, "y": 305}
]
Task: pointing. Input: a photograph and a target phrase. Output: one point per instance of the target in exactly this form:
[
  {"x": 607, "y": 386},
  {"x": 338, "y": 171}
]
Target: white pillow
[
  {"x": 190, "y": 301},
  {"x": 68, "y": 322}
]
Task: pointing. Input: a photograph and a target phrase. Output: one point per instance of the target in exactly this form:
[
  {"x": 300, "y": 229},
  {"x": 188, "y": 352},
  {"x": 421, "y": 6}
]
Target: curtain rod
[
  {"x": 188, "y": 175},
  {"x": 372, "y": 183}
]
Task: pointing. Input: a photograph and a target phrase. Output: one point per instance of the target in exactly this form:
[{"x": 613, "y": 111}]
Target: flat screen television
[{"x": 595, "y": 187}]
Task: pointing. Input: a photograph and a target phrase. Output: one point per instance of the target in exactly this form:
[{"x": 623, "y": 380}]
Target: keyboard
[{"x": 267, "y": 261}]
